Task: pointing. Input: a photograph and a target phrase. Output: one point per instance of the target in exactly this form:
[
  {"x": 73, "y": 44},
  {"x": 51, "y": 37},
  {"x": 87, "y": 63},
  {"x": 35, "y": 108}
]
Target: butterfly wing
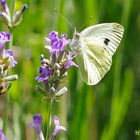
[{"x": 97, "y": 44}]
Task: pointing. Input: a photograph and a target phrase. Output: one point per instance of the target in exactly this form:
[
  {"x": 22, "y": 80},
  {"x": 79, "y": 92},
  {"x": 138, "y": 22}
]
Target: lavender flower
[
  {"x": 53, "y": 70},
  {"x": 4, "y": 37},
  {"x": 2, "y": 136},
  {"x": 6, "y": 62},
  {"x": 51, "y": 73},
  {"x": 57, "y": 45},
  {"x": 69, "y": 62},
  {"x": 45, "y": 72},
  {"x": 57, "y": 128},
  {"x": 37, "y": 122},
  {"x": 10, "y": 55}
]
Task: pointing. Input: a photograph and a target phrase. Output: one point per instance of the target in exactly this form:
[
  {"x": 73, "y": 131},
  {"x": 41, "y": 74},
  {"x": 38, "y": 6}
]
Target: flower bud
[
  {"x": 11, "y": 78},
  {"x": 42, "y": 57},
  {"x": 52, "y": 90},
  {"x": 56, "y": 66},
  {"x": 5, "y": 18},
  {"x": 63, "y": 75},
  {"x": 61, "y": 92},
  {"x": 56, "y": 74},
  {"x": 18, "y": 15},
  {"x": 46, "y": 61}
]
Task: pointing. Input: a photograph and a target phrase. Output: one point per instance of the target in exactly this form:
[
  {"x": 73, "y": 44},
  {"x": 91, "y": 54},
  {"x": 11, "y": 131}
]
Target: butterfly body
[{"x": 95, "y": 47}]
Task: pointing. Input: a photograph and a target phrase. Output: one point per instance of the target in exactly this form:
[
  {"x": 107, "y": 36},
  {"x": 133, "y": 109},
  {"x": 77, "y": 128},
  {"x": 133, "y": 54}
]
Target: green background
[{"x": 107, "y": 111}]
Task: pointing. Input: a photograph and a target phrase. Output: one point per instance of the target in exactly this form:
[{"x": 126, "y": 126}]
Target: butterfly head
[
  {"x": 75, "y": 40},
  {"x": 76, "y": 35}
]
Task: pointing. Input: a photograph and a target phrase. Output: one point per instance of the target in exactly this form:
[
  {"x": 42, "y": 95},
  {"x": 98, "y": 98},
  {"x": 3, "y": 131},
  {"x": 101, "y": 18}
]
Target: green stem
[
  {"x": 11, "y": 40},
  {"x": 5, "y": 113},
  {"x": 12, "y": 10},
  {"x": 7, "y": 100},
  {"x": 49, "y": 121}
]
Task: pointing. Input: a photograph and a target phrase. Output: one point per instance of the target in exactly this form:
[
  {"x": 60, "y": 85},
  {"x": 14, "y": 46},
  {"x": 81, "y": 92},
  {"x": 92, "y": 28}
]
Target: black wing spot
[{"x": 106, "y": 41}]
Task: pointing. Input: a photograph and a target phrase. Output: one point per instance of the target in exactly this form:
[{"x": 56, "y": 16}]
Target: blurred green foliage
[{"x": 107, "y": 111}]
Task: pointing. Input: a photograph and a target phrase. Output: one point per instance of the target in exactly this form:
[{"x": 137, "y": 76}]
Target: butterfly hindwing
[{"x": 93, "y": 62}]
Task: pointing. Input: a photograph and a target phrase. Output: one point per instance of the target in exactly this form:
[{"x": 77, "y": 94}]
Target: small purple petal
[
  {"x": 37, "y": 119},
  {"x": 9, "y": 54},
  {"x": 37, "y": 122},
  {"x": 58, "y": 127},
  {"x": 69, "y": 62},
  {"x": 65, "y": 42},
  {"x": 63, "y": 35},
  {"x": 47, "y": 39},
  {"x": 4, "y": 37},
  {"x": 45, "y": 72},
  {"x": 4, "y": 4},
  {"x": 2, "y": 136},
  {"x": 56, "y": 44},
  {"x": 53, "y": 34},
  {"x": 56, "y": 120}
]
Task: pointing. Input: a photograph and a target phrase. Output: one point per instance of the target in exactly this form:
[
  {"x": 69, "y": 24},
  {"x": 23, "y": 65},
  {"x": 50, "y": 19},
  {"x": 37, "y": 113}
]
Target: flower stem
[
  {"x": 49, "y": 121},
  {"x": 5, "y": 113},
  {"x": 12, "y": 10},
  {"x": 7, "y": 100},
  {"x": 11, "y": 40}
]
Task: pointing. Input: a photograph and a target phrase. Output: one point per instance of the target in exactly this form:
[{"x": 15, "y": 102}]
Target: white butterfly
[{"x": 95, "y": 47}]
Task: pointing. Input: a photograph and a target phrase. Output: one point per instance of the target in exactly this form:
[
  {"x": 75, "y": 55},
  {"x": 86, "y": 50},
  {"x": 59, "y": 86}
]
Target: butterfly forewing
[
  {"x": 97, "y": 44},
  {"x": 112, "y": 32}
]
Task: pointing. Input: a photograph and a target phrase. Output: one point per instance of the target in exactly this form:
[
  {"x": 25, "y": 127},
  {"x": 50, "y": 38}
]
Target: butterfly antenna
[
  {"x": 86, "y": 23},
  {"x": 64, "y": 18}
]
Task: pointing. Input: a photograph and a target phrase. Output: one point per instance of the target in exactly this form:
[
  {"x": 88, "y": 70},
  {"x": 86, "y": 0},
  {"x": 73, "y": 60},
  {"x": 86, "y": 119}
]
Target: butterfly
[{"x": 94, "y": 48}]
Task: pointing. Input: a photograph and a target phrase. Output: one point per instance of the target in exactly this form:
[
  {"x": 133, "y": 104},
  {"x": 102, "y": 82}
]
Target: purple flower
[
  {"x": 37, "y": 122},
  {"x": 45, "y": 72},
  {"x": 65, "y": 42},
  {"x": 2, "y": 137},
  {"x": 4, "y": 4},
  {"x": 69, "y": 62},
  {"x": 9, "y": 54},
  {"x": 4, "y": 37},
  {"x": 57, "y": 128},
  {"x": 56, "y": 44}
]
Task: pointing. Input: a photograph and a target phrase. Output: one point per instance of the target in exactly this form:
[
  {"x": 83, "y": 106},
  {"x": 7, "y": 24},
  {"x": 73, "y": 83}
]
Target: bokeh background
[{"x": 107, "y": 111}]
